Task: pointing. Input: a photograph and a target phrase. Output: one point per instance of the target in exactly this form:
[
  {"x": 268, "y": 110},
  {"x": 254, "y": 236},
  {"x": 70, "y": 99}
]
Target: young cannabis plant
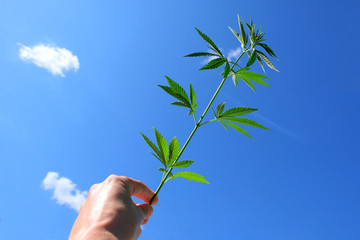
[{"x": 169, "y": 154}]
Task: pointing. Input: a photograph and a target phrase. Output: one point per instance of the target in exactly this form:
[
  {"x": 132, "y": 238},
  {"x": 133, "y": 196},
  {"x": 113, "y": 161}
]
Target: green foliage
[
  {"x": 231, "y": 116},
  {"x": 251, "y": 41},
  {"x": 182, "y": 164},
  {"x": 191, "y": 176},
  {"x": 202, "y": 54},
  {"x": 210, "y": 42},
  {"x": 215, "y": 63},
  {"x": 174, "y": 89}
]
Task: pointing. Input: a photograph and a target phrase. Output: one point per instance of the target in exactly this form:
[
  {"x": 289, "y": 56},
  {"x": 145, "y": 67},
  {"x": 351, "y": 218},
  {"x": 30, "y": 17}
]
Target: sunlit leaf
[
  {"x": 153, "y": 147},
  {"x": 191, "y": 176},
  {"x": 268, "y": 50},
  {"x": 180, "y": 104},
  {"x": 182, "y": 164},
  {"x": 266, "y": 60},
  {"x": 237, "y": 128},
  {"x": 237, "y": 111},
  {"x": 174, "y": 149},
  {"x": 177, "y": 88},
  {"x": 215, "y": 63},
  {"x": 227, "y": 69},
  {"x": 209, "y": 41},
  {"x": 244, "y": 121},
  {"x": 220, "y": 108},
  {"x": 163, "y": 146},
  {"x": 251, "y": 60},
  {"x": 202, "y": 54}
]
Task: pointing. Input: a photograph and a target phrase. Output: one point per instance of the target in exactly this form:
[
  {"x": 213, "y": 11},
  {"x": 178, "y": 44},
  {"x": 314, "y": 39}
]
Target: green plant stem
[{"x": 197, "y": 125}]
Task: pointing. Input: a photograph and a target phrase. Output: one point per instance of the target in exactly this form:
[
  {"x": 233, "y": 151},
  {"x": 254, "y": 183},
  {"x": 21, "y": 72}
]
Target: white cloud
[
  {"x": 65, "y": 191},
  {"x": 54, "y": 59},
  {"x": 234, "y": 54}
]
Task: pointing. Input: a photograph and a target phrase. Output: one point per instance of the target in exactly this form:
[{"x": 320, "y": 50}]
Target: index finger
[{"x": 140, "y": 190}]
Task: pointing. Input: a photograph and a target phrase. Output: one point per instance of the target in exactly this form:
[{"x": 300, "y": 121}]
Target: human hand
[{"x": 109, "y": 213}]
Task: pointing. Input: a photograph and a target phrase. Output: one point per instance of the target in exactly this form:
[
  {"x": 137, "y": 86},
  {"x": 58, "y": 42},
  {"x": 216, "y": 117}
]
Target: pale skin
[{"x": 109, "y": 213}]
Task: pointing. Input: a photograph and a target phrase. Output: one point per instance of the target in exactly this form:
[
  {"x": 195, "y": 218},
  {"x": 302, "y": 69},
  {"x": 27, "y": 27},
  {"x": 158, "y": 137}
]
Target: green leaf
[
  {"x": 163, "y": 146},
  {"x": 260, "y": 62},
  {"x": 182, "y": 164},
  {"x": 236, "y": 127},
  {"x": 227, "y": 69},
  {"x": 237, "y": 111},
  {"x": 224, "y": 125},
  {"x": 202, "y": 54},
  {"x": 251, "y": 60},
  {"x": 191, "y": 176},
  {"x": 209, "y": 41},
  {"x": 214, "y": 112},
  {"x": 175, "y": 95},
  {"x": 245, "y": 121},
  {"x": 247, "y": 81},
  {"x": 237, "y": 36},
  {"x": 244, "y": 36},
  {"x": 220, "y": 108},
  {"x": 177, "y": 89},
  {"x": 268, "y": 50},
  {"x": 256, "y": 77},
  {"x": 174, "y": 149},
  {"x": 215, "y": 63},
  {"x": 235, "y": 79},
  {"x": 154, "y": 148},
  {"x": 162, "y": 169},
  {"x": 193, "y": 98},
  {"x": 180, "y": 104},
  {"x": 158, "y": 158},
  {"x": 266, "y": 60}
]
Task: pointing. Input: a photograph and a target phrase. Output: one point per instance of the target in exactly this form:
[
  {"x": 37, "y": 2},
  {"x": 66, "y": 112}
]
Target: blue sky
[{"x": 298, "y": 181}]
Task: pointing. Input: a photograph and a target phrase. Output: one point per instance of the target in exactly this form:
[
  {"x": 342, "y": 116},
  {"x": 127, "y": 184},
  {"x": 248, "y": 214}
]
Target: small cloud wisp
[
  {"x": 65, "y": 191},
  {"x": 56, "y": 60}
]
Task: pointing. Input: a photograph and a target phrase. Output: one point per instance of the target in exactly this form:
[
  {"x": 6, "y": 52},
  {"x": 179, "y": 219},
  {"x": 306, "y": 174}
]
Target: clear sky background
[{"x": 298, "y": 181}]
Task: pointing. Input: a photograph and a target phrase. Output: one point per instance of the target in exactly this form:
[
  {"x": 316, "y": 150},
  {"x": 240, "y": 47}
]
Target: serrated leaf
[
  {"x": 177, "y": 89},
  {"x": 182, "y": 164},
  {"x": 191, "y": 176},
  {"x": 215, "y": 63},
  {"x": 244, "y": 121},
  {"x": 202, "y": 54},
  {"x": 214, "y": 112},
  {"x": 193, "y": 98},
  {"x": 209, "y": 41},
  {"x": 220, "y": 108},
  {"x": 266, "y": 60},
  {"x": 158, "y": 158},
  {"x": 256, "y": 77},
  {"x": 224, "y": 125},
  {"x": 247, "y": 81},
  {"x": 260, "y": 62},
  {"x": 251, "y": 60},
  {"x": 243, "y": 33},
  {"x": 237, "y": 111},
  {"x": 236, "y": 127},
  {"x": 175, "y": 95},
  {"x": 154, "y": 148},
  {"x": 163, "y": 146},
  {"x": 227, "y": 69},
  {"x": 180, "y": 104},
  {"x": 235, "y": 79},
  {"x": 237, "y": 36},
  {"x": 268, "y": 50},
  {"x": 174, "y": 149}
]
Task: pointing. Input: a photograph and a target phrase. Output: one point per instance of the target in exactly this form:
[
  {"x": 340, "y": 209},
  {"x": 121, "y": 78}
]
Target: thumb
[{"x": 147, "y": 210}]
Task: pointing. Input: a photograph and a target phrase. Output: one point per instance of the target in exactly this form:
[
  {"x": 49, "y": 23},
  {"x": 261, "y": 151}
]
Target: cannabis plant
[{"x": 251, "y": 43}]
